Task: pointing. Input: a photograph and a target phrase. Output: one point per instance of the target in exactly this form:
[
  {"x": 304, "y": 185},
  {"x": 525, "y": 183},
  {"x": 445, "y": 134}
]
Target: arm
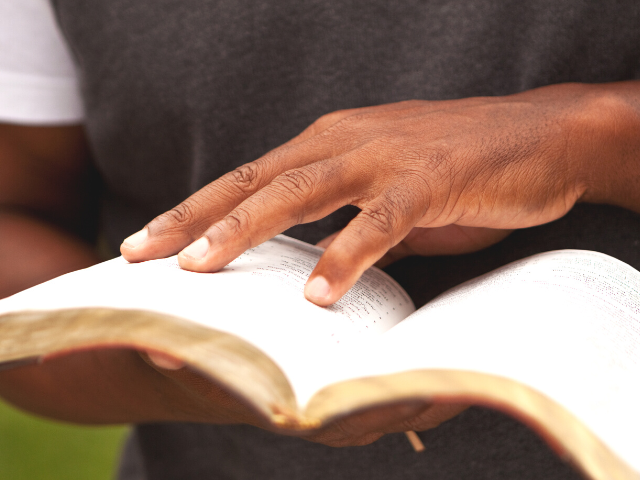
[
  {"x": 430, "y": 178},
  {"x": 43, "y": 194},
  {"x": 42, "y": 176}
]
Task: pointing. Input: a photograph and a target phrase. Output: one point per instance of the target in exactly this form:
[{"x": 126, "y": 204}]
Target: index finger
[
  {"x": 297, "y": 196},
  {"x": 170, "y": 232}
]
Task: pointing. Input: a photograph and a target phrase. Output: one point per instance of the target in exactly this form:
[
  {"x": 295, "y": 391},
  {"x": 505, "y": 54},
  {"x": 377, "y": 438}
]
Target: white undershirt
[{"x": 38, "y": 82}]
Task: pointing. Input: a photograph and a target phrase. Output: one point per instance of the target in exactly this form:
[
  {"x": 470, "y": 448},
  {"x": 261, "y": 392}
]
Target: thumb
[
  {"x": 162, "y": 360},
  {"x": 447, "y": 240},
  {"x": 326, "y": 241}
]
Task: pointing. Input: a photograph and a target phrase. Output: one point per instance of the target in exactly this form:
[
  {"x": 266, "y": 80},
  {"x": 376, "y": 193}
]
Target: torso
[{"x": 179, "y": 92}]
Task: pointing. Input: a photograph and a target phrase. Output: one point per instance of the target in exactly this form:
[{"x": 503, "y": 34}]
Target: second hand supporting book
[{"x": 552, "y": 339}]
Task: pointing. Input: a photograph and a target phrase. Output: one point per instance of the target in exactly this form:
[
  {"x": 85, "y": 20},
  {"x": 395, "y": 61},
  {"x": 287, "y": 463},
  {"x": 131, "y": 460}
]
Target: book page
[
  {"x": 566, "y": 323},
  {"x": 258, "y": 297}
]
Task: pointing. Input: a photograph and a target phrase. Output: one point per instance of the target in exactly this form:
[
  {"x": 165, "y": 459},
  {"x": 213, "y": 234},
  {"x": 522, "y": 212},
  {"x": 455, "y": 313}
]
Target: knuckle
[
  {"x": 331, "y": 118},
  {"x": 179, "y": 216},
  {"x": 416, "y": 191},
  {"x": 389, "y": 143},
  {"x": 183, "y": 213},
  {"x": 343, "y": 429},
  {"x": 337, "y": 441},
  {"x": 423, "y": 173},
  {"x": 416, "y": 424},
  {"x": 300, "y": 182},
  {"x": 411, "y": 157},
  {"x": 412, "y": 103},
  {"x": 324, "y": 122},
  {"x": 380, "y": 217},
  {"x": 358, "y": 123},
  {"x": 436, "y": 158},
  {"x": 237, "y": 221},
  {"x": 354, "y": 120},
  {"x": 246, "y": 178},
  {"x": 349, "y": 431},
  {"x": 181, "y": 220}
]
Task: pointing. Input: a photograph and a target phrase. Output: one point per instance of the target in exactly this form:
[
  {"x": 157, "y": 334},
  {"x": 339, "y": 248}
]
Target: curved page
[
  {"x": 257, "y": 297},
  {"x": 565, "y": 323}
]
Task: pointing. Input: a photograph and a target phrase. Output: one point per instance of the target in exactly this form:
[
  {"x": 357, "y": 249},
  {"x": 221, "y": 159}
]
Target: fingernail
[
  {"x": 197, "y": 249},
  {"x": 165, "y": 361},
  {"x": 318, "y": 289},
  {"x": 136, "y": 239}
]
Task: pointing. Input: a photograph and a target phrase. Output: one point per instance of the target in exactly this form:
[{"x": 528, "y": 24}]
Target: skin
[
  {"x": 43, "y": 174},
  {"x": 430, "y": 178}
]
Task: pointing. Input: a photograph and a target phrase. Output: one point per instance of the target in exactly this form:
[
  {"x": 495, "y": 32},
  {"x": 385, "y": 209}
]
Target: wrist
[{"x": 608, "y": 133}]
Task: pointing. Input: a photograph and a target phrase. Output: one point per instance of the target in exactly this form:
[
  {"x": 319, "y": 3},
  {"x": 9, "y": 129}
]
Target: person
[{"x": 191, "y": 112}]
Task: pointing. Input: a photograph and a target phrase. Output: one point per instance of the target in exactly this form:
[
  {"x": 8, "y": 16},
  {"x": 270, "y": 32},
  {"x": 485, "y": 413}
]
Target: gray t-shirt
[{"x": 178, "y": 92}]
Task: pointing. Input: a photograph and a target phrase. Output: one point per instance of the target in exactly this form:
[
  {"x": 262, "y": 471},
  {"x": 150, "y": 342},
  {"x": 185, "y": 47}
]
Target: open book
[{"x": 553, "y": 339}]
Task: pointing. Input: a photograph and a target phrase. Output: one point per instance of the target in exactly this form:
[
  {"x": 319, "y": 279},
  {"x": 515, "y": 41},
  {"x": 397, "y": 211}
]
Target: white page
[
  {"x": 258, "y": 297},
  {"x": 566, "y": 323}
]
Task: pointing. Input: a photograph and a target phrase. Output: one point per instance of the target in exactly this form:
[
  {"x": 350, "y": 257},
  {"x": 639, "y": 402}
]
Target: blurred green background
[{"x": 35, "y": 449}]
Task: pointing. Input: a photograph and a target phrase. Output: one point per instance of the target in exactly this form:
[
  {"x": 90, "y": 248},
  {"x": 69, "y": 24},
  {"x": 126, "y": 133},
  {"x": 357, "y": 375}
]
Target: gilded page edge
[
  {"x": 225, "y": 358},
  {"x": 569, "y": 437}
]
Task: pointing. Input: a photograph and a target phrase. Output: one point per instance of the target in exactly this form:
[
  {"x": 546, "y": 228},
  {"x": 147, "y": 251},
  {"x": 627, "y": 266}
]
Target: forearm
[
  {"x": 530, "y": 156},
  {"x": 43, "y": 175},
  {"x": 46, "y": 191},
  {"x": 99, "y": 386},
  {"x": 608, "y": 138},
  {"x": 46, "y": 171},
  {"x": 33, "y": 251}
]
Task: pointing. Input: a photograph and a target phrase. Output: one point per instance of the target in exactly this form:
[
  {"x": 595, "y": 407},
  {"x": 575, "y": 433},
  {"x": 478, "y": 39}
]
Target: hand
[
  {"x": 106, "y": 386},
  {"x": 494, "y": 163},
  {"x": 449, "y": 240},
  {"x": 361, "y": 428},
  {"x": 366, "y": 427}
]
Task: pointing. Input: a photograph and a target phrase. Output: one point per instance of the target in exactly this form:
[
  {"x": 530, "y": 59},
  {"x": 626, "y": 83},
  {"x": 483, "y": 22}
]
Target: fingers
[
  {"x": 448, "y": 240},
  {"x": 199, "y": 397},
  {"x": 322, "y": 124},
  {"x": 162, "y": 360},
  {"x": 329, "y": 120},
  {"x": 170, "y": 232},
  {"x": 431, "y": 416},
  {"x": 368, "y": 426},
  {"x": 331, "y": 136},
  {"x": 297, "y": 196},
  {"x": 339, "y": 160},
  {"x": 304, "y": 195},
  {"x": 376, "y": 229},
  {"x": 326, "y": 241}
]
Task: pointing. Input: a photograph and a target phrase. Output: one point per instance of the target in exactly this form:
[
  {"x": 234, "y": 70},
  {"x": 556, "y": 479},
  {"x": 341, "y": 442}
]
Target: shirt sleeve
[{"x": 38, "y": 80}]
